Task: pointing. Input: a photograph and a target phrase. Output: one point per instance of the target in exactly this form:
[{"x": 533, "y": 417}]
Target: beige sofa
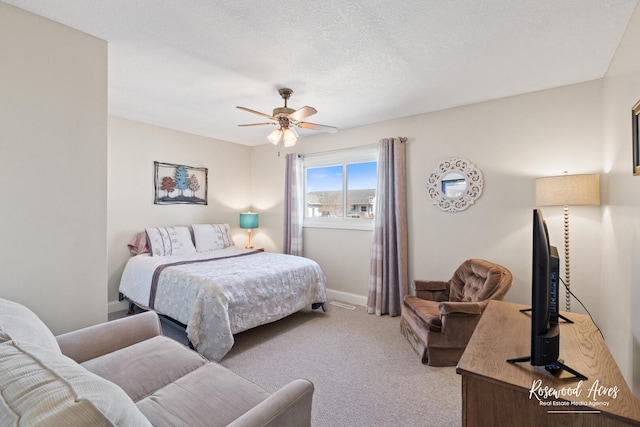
[{"x": 126, "y": 373}]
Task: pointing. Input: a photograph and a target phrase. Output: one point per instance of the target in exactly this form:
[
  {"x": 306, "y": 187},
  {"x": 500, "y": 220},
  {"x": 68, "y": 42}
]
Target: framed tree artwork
[{"x": 179, "y": 184}]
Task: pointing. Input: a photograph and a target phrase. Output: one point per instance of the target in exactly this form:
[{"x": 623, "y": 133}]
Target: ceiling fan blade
[
  {"x": 257, "y": 112},
  {"x": 302, "y": 113},
  {"x": 315, "y": 126},
  {"x": 259, "y": 124}
]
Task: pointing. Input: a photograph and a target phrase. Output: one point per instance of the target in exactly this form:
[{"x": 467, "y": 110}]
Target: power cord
[{"x": 583, "y": 306}]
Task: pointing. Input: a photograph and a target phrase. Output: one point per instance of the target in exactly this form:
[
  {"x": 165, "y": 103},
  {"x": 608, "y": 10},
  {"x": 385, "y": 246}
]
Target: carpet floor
[{"x": 364, "y": 371}]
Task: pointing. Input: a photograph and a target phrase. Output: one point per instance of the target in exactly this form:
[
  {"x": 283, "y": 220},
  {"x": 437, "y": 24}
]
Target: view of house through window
[{"x": 341, "y": 186}]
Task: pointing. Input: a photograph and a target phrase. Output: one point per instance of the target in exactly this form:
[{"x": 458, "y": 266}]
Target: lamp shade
[
  {"x": 274, "y": 137},
  {"x": 568, "y": 190},
  {"x": 249, "y": 220},
  {"x": 289, "y": 137}
]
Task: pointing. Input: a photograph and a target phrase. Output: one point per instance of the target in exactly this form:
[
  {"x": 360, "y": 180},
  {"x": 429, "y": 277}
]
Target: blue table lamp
[{"x": 249, "y": 221}]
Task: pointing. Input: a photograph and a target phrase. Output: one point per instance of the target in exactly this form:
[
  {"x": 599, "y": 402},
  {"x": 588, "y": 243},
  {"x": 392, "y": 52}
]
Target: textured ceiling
[{"x": 186, "y": 64}]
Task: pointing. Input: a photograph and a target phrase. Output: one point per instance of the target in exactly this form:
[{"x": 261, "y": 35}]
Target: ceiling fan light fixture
[
  {"x": 289, "y": 138},
  {"x": 274, "y": 137},
  {"x": 287, "y": 119}
]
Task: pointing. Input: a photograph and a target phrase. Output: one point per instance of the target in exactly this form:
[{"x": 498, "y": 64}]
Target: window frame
[{"x": 336, "y": 158}]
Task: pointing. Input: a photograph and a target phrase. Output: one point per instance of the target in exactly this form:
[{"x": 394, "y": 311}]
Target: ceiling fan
[{"x": 287, "y": 119}]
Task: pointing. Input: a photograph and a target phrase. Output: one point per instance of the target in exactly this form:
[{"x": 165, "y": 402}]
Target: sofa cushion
[
  {"x": 41, "y": 387},
  {"x": 147, "y": 366},
  {"x": 425, "y": 311},
  {"x": 209, "y": 396},
  {"x": 19, "y": 323}
]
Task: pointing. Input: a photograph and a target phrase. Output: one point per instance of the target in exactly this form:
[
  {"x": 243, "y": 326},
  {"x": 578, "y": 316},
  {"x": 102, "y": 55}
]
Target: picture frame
[
  {"x": 179, "y": 184},
  {"x": 635, "y": 120}
]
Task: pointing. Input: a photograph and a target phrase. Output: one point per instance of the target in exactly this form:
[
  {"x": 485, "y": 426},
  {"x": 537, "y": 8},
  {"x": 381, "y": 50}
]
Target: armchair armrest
[
  {"x": 459, "y": 320},
  {"x": 433, "y": 290},
  {"x": 289, "y": 406},
  {"x": 98, "y": 340},
  {"x": 430, "y": 285},
  {"x": 455, "y": 307}
]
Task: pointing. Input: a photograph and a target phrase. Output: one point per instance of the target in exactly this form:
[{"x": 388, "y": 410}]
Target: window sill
[{"x": 354, "y": 224}]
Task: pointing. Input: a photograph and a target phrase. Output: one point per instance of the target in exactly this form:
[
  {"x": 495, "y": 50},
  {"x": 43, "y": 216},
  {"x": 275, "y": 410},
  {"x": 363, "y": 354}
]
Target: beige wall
[
  {"x": 53, "y": 163},
  {"x": 267, "y": 195},
  {"x": 133, "y": 147}
]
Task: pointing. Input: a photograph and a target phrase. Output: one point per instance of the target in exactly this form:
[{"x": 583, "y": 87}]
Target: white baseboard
[
  {"x": 347, "y": 297},
  {"x": 117, "y": 306}
]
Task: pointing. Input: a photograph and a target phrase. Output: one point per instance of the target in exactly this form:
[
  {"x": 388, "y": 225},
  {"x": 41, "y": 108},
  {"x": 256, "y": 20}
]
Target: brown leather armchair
[{"x": 439, "y": 320}]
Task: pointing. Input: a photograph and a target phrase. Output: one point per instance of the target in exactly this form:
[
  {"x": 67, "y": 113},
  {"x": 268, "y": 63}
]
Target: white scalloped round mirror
[{"x": 455, "y": 184}]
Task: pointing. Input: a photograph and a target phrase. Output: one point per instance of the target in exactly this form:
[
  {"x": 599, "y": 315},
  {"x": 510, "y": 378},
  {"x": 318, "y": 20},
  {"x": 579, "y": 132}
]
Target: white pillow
[
  {"x": 19, "y": 323},
  {"x": 211, "y": 237},
  {"x": 166, "y": 241},
  {"x": 41, "y": 387}
]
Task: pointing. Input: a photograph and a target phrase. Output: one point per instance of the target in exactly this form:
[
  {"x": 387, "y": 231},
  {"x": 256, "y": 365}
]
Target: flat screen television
[{"x": 545, "y": 331}]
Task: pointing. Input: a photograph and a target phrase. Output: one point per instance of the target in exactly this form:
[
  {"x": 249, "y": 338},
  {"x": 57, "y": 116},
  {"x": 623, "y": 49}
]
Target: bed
[{"x": 218, "y": 289}]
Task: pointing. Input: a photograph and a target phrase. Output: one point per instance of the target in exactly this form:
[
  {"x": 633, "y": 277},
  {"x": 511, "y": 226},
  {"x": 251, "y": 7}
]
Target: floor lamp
[{"x": 568, "y": 190}]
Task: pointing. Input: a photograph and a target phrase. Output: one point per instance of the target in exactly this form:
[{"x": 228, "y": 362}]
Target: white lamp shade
[
  {"x": 274, "y": 137},
  {"x": 289, "y": 138},
  {"x": 568, "y": 190}
]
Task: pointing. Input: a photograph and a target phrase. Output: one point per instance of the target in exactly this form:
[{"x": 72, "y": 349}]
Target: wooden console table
[{"x": 498, "y": 393}]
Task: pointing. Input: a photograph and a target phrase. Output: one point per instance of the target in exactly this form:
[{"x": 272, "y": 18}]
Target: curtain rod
[
  {"x": 403, "y": 139},
  {"x": 341, "y": 149}
]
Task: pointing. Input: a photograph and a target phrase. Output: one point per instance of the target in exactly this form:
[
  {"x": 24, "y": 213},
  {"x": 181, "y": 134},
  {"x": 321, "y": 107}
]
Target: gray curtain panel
[
  {"x": 293, "y": 205},
  {"x": 388, "y": 280}
]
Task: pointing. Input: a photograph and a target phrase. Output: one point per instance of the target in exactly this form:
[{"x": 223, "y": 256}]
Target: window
[{"x": 340, "y": 188}]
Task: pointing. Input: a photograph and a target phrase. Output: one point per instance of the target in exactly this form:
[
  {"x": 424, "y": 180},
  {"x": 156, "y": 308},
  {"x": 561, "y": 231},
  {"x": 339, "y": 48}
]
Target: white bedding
[{"x": 236, "y": 290}]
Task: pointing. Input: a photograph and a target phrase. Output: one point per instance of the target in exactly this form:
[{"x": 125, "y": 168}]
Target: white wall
[
  {"x": 133, "y": 147},
  {"x": 619, "y": 290},
  {"x": 53, "y": 158}
]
